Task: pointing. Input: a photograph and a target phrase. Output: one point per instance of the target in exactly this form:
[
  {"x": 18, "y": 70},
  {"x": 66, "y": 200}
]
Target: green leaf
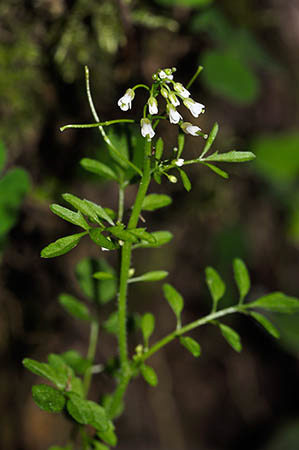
[
  {"x": 191, "y": 345},
  {"x": 157, "y": 177},
  {"x": 231, "y": 157},
  {"x": 174, "y": 299},
  {"x": 2, "y": 155},
  {"x": 185, "y": 180},
  {"x": 98, "y": 168},
  {"x": 277, "y": 302},
  {"x": 124, "y": 235},
  {"x": 242, "y": 277},
  {"x": 99, "y": 291},
  {"x": 108, "y": 436},
  {"x": 159, "y": 149},
  {"x": 185, "y": 3},
  {"x": 143, "y": 235},
  {"x": 147, "y": 326},
  {"x": 215, "y": 284},
  {"x": 230, "y": 77},
  {"x": 70, "y": 216},
  {"x": 46, "y": 371},
  {"x": 210, "y": 140},
  {"x": 111, "y": 324},
  {"x": 100, "y": 211},
  {"x": 74, "y": 307},
  {"x": 98, "y": 238},
  {"x": 231, "y": 336},
  {"x": 216, "y": 169},
  {"x": 99, "y": 420},
  {"x": 60, "y": 366},
  {"x": 161, "y": 238},
  {"x": 149, "y": 375},
  {"x": 155, "y": 275},
  {"x": 75, "y": 385},
  {"x": 99, "y": 445},
  {"x": 74, "y": 360},
  {"x": 82, "y": 206},
  {"x": 266, "y": 324},
  {"x": 155, "y": 201},
  {"x": 79, "y": 409},
  {"x": 181, "y": 144},
  {"x": 62, "y": 245},
  {"x": 103, "y": 276},
  {"x": 48, "y": 398}
]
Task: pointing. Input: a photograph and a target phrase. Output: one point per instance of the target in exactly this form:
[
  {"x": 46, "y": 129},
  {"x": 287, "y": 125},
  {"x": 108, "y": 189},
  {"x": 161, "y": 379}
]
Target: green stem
[
  {"x": 197, "y": 323},
  {"x": 123, "y": 283},
  {"x": 141, "y": 86},
  {"x": 199, "y": 69},
  {"x": 93, "y": 339},
  {"x": 121, "y": 199},
  {"x": 101, "y": 128},
  {"x": 119, "y": 394},
  {"x": 96, "y": 125}
]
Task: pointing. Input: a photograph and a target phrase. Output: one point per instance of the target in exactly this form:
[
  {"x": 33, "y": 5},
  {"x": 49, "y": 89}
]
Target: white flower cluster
[{"x": 163, "y": 79}]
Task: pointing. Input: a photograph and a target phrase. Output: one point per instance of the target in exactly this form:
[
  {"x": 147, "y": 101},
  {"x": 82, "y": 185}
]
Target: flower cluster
[{"x": 174, "y": 93}]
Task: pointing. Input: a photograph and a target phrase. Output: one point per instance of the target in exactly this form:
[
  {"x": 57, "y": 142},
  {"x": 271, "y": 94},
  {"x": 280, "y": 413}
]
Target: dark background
[{"x": 249, "y": 50}]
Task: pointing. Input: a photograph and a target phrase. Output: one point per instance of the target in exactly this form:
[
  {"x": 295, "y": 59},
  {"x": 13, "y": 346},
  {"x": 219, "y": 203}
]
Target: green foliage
[
  {"x": 229, "y": 77},
  {"x": 175, "y": 300},
  {"x": 215, "y": 284},
  {"x": 210, "y": 139},
  {"x": 74, "y": 307},
  {"x": 45, "y": 370},
  {"x": 149, "y": 375},
  {"x": 277, "y": 302},
  {"x": 70, "y": 216},
  {"x": 160, "y": 237},
  {"x": 191, "y": 345},
  {"x": 98, "y": 168},
  {"x": 108, "y": 436},
  {"x": 231, "y": 336},
  {"x": 48, "y": 398},
  {"x": 74, "y": 360},
  {"x": 242, "y": 277},
  {"x": 62, "y": 245},
  {"x": 155, "y": 275},
  {"x": 185, "y": 180},
  {"x": 185, "y": 3},
  {"x": 231, "y": 157},
  {"x": 262, "y": 320},
  {"x": 155, "y": 201},
  {"x": 147, "y": 327}
]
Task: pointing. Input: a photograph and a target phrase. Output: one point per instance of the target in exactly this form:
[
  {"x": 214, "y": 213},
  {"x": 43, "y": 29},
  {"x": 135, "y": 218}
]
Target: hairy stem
[{"x": 93, "y": 339}]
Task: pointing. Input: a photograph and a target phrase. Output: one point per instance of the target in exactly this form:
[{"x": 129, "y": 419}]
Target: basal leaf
[
  {"x": 70, "y": 216},
  {"x": 262, "y": 320},
  {"x": 242, "y": 277},
  {"x": 98, "y": 168},
  {"x": 155, "y": 201},
  {"x": 62, "y": 245},
  {"x": 231, "y": 336},
  {"x": 191, "y": 345},
  {"x": 99, "y": 420},
  {"x": 277, "y": 302},
  {"x": 46, "y": 371},
  {"x": 79, "y": 409},
  {"x": 215, "y": 284},
  {"x": 149, "y": 375},
  {"x": 48, "y": 398},
  {"x": 74, "y": 307}
]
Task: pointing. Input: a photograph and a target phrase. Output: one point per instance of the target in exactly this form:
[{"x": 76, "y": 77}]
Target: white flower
[
  {"x": 194, "y": 107},
  {"x": 164, "y": 92},
  {"x": 164, "y": 76},
  {"x": 173, "y": 98},
  {"x": 125, "y": 102},
  {"x": 179, "y": 162},
  {"x": 188, "y": 128},
  {"x": 146, "y": 128},
  {"x": 152, "y": 105},
  {"x": 181, "y": 90},
  {"x": 174, "y": 115}
]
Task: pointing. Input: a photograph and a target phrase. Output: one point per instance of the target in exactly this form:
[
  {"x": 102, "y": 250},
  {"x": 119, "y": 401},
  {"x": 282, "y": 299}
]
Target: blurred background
[{"x": 249, "y": 50}]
